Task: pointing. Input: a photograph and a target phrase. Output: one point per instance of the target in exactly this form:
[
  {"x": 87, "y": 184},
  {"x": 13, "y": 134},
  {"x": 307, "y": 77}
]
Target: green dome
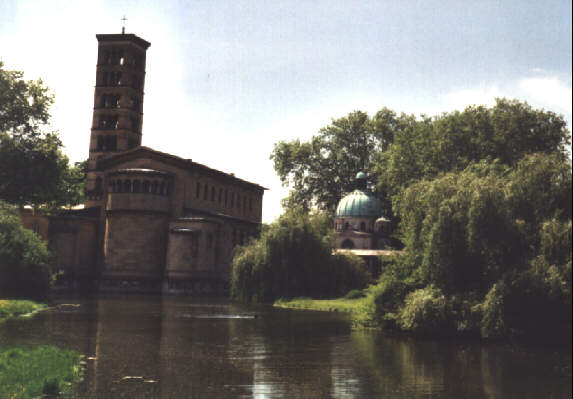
[
  {"x": 361, "y": 175},
  {"x": 359, "y": 204}
]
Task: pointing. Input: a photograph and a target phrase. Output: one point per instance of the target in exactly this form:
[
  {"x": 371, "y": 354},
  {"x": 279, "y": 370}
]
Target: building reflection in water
[{"x": 173, "y": 347}]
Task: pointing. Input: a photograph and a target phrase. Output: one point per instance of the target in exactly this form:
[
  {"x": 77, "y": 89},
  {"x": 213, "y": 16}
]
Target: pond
[{"x": 177, "y": 347}]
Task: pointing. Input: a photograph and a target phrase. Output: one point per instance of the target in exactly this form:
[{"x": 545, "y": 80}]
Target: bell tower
[{"x": 118, "y": 104}]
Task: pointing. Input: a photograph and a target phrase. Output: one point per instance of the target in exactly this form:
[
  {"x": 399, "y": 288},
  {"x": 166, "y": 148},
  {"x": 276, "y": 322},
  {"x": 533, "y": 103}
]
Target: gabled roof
[{"x": 146, "y": 152}]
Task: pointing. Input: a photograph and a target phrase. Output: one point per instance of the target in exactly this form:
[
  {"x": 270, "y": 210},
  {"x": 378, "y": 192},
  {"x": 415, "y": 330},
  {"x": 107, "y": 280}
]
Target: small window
[
  {"x": 206, "y": 192},
  {"x": 154, "y": 187},
  {"x": 145, "y": 186},
  {"x": 220, "y": 195},
  {"x": 232, "y": 200},
  {"x": 198, "y": 190},
  {"x": 213, "y": 194},
  {"x": 127, "y": 186},
  {"x": 98, "y": 184},
  {"x": 136, "y": 186},
  {"x": 100, "y": 143},
  {"x": 362, "y": 226}
]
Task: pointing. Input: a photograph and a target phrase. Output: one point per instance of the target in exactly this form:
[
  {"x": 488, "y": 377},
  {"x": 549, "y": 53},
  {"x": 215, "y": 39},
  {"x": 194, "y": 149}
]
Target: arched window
[{"x": 145, "y": 186}]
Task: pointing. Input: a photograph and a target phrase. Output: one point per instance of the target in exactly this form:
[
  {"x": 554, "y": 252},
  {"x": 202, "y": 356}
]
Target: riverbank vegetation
[
  {"x": 293, "y": 258},
  {"x": 18, "y": 307},
  {"x": 25, "y": 270},
  {"x": 33, "y": 172},
  {"x": 482, "y": 201},
  {"x": 31, "y": 373}
]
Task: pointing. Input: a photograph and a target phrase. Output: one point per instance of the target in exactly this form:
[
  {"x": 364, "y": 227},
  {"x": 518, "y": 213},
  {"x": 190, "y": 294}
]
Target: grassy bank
[
  {"x": 17, "y": 307},
  {"x": 31, "y": 373},
  {"x": 331, "y": 305}
]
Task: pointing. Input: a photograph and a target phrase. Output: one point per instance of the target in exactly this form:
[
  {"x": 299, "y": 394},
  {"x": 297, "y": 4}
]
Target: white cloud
[
  {"x": 460, "y": 99},
  {"x": 548, "y": 92}
]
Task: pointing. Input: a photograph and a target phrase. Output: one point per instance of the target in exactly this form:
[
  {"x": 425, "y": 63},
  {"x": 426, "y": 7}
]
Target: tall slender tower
[{"x": 118, "y": 104}]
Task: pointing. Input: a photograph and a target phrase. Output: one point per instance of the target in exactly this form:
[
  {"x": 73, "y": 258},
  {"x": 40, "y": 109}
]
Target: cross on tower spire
[{"x": 123, "y": 26}]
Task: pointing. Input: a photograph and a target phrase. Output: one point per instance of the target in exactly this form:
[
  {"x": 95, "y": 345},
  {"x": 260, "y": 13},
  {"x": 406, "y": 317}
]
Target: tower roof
[{"x": 123, "y": 37}]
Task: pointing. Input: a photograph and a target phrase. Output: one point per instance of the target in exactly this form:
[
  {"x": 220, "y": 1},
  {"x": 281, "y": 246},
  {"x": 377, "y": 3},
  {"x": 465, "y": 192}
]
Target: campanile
[{"x": 118, "y": 103}]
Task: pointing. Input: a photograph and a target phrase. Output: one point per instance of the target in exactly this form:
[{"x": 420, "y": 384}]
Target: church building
[{"x": 152, "y": 222}]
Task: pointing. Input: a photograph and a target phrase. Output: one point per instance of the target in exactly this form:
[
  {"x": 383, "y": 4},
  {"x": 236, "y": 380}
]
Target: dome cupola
[{"x": 360, "y": 202}]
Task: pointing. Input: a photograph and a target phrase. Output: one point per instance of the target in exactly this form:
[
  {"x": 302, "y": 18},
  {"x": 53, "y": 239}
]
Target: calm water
[{"x": 173, "y": 347}]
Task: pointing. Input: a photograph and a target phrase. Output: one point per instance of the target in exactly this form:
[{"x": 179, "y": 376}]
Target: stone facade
[{"x": 152, "y": 221}]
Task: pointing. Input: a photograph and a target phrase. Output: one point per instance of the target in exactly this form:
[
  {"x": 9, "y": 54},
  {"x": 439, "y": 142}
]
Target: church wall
[
  {"x": 73, "y": 243},
  {"x": 36, "y": 222},
  {"x": 186, "y": 195},
  {"x": 135, "y": 244}
]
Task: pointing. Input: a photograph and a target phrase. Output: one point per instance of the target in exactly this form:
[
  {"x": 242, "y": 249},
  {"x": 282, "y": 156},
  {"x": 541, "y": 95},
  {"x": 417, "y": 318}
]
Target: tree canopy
[
  {"x": 33, "y": 169},
  {"x": 398, "y": 150}
]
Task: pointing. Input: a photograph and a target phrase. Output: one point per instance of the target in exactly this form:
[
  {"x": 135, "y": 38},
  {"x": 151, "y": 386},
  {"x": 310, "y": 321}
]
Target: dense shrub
[
  {"x": 24, "y": 259},
  {"x": 425, "y": 311},
  {"x": 293, "y": 258},
  {"x": 534, "y": 303}
]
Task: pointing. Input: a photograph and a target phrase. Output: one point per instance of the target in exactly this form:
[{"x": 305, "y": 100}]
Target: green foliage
[
  {"x": 29, "y": 373},
  {"x": 465, "y": 230},
  {"x": 293, "y": 258},
  {"x": 452, "y": 141},
  {"x": 24, "y": 259},
  {"x": 322, "y": 170},
  {"x": 33, "y": 170},
  {"x": 17, "y": 307},
  {"x": 493, "y": 231},
  {"x": 535, "y": 303},
  {"x": 425, "y": 312},
  {"x": 355, "y": 294}
]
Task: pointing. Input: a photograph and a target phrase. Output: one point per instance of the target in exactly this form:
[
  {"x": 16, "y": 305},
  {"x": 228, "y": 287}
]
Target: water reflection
[{"x": 171, "y": 347}]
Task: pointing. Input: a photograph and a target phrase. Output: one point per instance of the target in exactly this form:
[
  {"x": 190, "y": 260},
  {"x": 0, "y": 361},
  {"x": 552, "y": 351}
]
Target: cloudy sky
[{"x": 228, "y": 79}]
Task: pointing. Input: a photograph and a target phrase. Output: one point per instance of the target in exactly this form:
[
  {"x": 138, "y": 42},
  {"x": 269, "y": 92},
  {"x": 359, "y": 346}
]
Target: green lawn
[
  {"x": 32, "y": 373},
  {"x": 16, "y": 307},
  {"x": 328, "y": 305}
]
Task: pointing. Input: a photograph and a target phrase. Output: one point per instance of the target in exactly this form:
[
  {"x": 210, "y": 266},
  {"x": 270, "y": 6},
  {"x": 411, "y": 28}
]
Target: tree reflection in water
[{"x": 173, "y": 347}]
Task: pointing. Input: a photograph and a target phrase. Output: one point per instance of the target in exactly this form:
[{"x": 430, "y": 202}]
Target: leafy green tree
[
  {"x": 33, "y": 170},
  {"x": 24, "y": 258},
  {"x": 321, "y": 170},
  {"x": 294, "y": 258},
  {"x": 450, "y": 142}
]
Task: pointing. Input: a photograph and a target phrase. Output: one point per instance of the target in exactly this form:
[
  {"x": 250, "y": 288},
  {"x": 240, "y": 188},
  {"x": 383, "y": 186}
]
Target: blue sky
[{"x": 228, "y": 79}]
